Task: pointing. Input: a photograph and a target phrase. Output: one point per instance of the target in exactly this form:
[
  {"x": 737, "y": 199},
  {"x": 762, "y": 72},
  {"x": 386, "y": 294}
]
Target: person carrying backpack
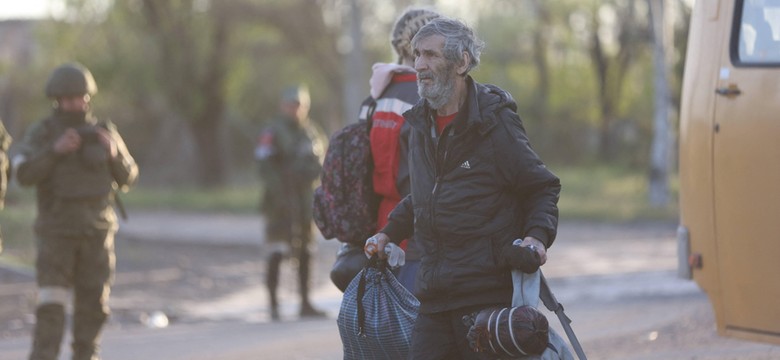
[
  {"x": 476, "y": 187},
  {"x": 365, "y": 174},
  {"x": 394, "y": 86}
]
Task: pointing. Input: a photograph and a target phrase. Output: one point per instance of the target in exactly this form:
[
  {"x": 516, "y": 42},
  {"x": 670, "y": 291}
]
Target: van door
[{"x": 746, "y": 155}]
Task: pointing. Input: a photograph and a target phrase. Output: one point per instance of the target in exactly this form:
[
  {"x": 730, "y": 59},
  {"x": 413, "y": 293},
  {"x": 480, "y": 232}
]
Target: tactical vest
[{"x": 84, "y": 173}]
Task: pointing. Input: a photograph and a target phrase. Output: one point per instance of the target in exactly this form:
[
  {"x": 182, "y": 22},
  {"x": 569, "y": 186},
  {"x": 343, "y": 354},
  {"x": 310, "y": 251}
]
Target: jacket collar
[{"x": 482, "y": 105}]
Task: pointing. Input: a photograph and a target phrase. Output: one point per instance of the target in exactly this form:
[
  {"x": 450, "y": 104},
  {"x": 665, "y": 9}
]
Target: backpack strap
[
  {"x": 369, "y": 105},
  {"x": 552, "y": 304}
]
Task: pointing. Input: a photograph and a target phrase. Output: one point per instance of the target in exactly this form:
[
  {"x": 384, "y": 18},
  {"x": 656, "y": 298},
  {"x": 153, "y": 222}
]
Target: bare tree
[
  {"x": 612, "y": 67},
  {"x": 194, "y": 82},
  {"x": 194, "y": 54},
  {"x": 305, "y": 35}
]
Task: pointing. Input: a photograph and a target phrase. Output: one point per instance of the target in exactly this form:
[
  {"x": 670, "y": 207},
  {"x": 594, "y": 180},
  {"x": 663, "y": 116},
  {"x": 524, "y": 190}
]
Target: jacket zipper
[{"x": 437, "y": 178}]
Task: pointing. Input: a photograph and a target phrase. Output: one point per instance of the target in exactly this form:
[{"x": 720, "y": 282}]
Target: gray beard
[{"x": 437, "y": 93}]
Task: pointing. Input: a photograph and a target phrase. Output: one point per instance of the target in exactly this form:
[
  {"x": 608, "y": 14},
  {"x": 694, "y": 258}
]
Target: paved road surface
[{"x": 617, "y": 282}]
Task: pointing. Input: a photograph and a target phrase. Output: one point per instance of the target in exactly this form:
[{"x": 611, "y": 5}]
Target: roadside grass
[
  {"x": 243, "y": 199},
  {"x": 611, "y": 194},
  {"x": 600, "y": 193},
  {"x": 592, "y": 193}
]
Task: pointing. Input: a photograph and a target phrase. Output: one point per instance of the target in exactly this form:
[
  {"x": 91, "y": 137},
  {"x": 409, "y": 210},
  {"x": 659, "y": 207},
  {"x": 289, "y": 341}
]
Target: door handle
[{"x": 729, "y": 92}]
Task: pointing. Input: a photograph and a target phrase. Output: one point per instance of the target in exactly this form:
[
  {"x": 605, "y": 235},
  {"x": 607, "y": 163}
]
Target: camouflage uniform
[
  {"x": 74, "y": 228},
  {"x": 290, "y": 160},
  {"x": 5, "y": 143}
]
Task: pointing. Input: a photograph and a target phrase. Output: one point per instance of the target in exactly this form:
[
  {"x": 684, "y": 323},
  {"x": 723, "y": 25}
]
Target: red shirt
[{"x": 443, "y": 121}]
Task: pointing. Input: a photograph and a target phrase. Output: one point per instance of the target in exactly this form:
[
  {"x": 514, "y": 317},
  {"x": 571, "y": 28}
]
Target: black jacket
[{"x": 473, "y": 191}]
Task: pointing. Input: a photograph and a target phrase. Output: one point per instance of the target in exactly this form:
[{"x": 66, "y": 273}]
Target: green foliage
[{"x": 271, "y": 44}]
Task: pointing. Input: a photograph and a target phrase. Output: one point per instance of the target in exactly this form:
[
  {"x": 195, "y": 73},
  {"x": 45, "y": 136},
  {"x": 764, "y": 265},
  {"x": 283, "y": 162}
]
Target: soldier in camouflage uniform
[
  {"x": 77, "y": 164},
  {"x": 5, "y": 143},
  {"x": 289, "y": 153}
]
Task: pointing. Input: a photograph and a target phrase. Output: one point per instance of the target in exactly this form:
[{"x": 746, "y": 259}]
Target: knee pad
[
  {"x": 57, "y": 295},
  {"x": 280, "y": 247}
]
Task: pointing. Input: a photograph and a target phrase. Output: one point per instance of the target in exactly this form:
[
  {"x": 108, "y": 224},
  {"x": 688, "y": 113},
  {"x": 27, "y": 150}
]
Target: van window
[{"x": 758, "y": 29}]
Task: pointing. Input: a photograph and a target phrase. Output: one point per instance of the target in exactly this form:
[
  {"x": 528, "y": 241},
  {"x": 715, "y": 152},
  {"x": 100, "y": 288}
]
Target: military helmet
[
  {"x": 296, "y": 94},
  {"x": 71, "y": 79}
]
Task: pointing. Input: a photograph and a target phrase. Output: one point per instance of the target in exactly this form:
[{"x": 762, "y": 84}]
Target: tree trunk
[
  {"x": 612, "y": 70},
  {"x": 659, "y": 152},
  {"x": 541, "y": 102},
  {"x": 209, "y": 160},
  {"x": 601, "y": 65},
  {"x": 197, "y": 97},
  {"x": 354, "y": 64},
  {"x": 207, "y": 128}
]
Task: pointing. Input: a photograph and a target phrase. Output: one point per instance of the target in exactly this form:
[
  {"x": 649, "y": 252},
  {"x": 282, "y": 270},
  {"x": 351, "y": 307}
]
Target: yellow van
[{"x": 729, "y": 234}]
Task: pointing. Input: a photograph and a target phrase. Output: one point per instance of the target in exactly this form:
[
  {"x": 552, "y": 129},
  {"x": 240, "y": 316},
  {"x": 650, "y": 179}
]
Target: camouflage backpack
[{"x": 345, "y": 205}]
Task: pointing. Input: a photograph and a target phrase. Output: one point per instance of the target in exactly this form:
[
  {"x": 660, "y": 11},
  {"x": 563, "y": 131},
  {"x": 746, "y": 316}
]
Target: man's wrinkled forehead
[{"x": 430, "y": 43}]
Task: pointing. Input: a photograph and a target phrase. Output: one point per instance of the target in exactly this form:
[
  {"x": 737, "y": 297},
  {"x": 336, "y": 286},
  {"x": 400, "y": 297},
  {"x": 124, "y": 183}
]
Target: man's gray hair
[{"x": 458, "y": 37}]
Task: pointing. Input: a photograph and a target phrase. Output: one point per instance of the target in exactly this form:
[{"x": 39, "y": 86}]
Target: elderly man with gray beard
[{"x": 476, "y": 187}]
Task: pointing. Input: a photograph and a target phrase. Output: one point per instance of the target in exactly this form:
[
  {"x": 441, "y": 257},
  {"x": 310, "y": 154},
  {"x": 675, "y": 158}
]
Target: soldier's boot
[
  {"x": 49, "y": 329},
  {"x": 89, "y": 316},
  {"x": 307, "y": 310},
  {"x": 86, "y": 333},
  {"x": 272, "y": 282}
]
